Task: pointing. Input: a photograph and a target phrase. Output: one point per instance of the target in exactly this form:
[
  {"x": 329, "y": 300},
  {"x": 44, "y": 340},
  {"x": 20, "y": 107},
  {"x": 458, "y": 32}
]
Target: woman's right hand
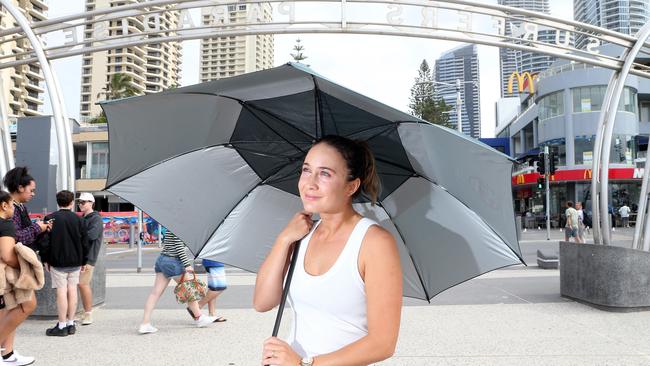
[
  {"x": 297, "y": 228},
  {"x": 44, "y": 226}
]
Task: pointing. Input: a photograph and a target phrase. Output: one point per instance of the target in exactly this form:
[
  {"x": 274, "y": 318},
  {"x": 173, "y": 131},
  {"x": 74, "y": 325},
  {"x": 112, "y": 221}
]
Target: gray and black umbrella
[{"x": 218, "y": 164}]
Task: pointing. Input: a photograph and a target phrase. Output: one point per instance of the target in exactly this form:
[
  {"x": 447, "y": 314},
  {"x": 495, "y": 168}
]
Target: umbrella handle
[{"x": 285, "y": 290}]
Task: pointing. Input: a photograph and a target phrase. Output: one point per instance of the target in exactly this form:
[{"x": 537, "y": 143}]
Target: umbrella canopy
[{"x": 218, "y": 164}]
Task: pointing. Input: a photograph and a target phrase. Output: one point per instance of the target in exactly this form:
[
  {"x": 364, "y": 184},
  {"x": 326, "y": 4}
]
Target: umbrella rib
[
  {"x": 479, "y": 216},
  {"x": 417, "y": 271},
  {"x": 263, "y": 110},
  {"x": 319, "y": 109},
  {"x": 226, "y": 217},
  {"x": 250, "y": 109}
]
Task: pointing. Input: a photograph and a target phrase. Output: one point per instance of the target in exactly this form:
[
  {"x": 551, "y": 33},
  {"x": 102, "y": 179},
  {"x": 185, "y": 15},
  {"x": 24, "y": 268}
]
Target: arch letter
[
  {"x": 430, "y": 17},
  {"x": 288, "y": 9},
  {"x": 591, "y": 46},
  {"x": 464, "y": 21},
  {"x": 394, "y": 15}
]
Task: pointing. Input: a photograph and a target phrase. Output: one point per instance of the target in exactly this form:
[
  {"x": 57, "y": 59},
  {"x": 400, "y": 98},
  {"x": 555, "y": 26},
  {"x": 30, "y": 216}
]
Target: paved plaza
[{"x": 513, "y": 316}]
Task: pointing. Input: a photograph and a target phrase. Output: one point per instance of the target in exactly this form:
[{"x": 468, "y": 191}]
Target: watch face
[{"x": 307, "y": 361}]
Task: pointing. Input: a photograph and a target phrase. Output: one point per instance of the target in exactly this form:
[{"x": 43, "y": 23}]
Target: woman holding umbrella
[{"x": 346, "y": 291}]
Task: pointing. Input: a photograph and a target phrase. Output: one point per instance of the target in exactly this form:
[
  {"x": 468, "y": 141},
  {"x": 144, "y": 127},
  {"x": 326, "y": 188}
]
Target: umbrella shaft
[{"x": 285, "y": 290}]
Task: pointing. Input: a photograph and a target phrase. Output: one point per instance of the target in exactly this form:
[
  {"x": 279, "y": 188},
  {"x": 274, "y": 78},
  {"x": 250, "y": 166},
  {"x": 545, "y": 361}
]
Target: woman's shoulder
[
  {"x": 379, "y": 237},
  {"x": 7, "y": 228}
]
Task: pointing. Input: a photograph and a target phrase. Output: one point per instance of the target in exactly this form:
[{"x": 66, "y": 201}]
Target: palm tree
[{"x": 118, "y": 87}]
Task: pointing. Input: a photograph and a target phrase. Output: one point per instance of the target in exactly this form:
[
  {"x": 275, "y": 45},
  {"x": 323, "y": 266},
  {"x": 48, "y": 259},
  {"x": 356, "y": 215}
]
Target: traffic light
[
  {"x": 541, "y": 167},
  {"x": 553, "y": 161},
  {"x": 540, "y": 183}
]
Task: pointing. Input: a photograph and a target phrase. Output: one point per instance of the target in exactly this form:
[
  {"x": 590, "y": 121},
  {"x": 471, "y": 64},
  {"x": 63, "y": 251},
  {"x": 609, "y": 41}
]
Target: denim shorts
[
  {"x": 216, "y": 278},
  {"x": 169, "y": 266}
]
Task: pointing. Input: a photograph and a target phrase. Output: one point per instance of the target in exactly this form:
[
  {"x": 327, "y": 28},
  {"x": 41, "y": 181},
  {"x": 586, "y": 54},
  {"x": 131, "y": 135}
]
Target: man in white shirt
[
  {"x": 624, "y": 211},
  {"x": 571, "y": 222}
]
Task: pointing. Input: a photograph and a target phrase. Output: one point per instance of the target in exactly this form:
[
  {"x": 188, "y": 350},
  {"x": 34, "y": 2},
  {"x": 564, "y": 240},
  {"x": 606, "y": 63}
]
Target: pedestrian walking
[
  {"x": 171, "y": 263},
  {"x": 65, "y": 254},
  {"x": 624, "y": 211},
  {"x": 581, "y": 224},
  {"x": 94, "y": 227},
  {"x": 571, "y": 223},
  {"x": 216, "y": 285},
  {"x": 346, "y": 291},
  {"x": 11, "y": 319}
]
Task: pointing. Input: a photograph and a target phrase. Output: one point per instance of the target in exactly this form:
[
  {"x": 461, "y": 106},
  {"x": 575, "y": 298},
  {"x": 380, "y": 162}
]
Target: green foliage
[
  {"x": 118, "y": 87},
  {"x": 424, "y": 102},
  {"x": 298, "y": 48}
]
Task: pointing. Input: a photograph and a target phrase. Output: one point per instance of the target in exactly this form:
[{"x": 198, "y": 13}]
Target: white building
[
  {"x": 152, "y": 67},
  {"x": 22, "y": 86},
  {"x": 624, "y": 16},
  {"x": 461, "y": 63},
  {"x": 228, "y": 56}
]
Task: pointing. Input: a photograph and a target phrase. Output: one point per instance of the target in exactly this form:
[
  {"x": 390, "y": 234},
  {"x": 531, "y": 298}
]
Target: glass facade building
[{"x": 563, "y": 114}]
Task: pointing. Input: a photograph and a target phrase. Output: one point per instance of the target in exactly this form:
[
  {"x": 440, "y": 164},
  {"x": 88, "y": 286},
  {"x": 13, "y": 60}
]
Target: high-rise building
[
  {"x": 460, "y": 63},
  {"x": 222, "y": 57},
  {"x": 512, "y": 60},
  {"x": 151, "y": 67},
  {"x": 624, "y": 16},
  {"x": 22, "y": 86}
]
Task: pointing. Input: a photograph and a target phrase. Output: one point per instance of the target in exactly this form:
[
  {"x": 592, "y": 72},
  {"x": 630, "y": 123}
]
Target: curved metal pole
[
  {"x": 54, "y": 96},
  {"x": 595, "y": 170},
  {"x": 612, "y": 109},
  {"x": 68, "y": 136},
  {"x": 6, "y": 152}
]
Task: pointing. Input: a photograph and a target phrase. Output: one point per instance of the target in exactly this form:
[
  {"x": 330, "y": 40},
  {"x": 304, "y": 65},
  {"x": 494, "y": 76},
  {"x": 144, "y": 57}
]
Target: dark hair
[
  {"x": 16, "y": 178},
  {"x": 5, "y": 196},
  {"x": 64, "y": 198},
  {"x": 360, "y": 162},
  {"x": 569, "y": 203}
]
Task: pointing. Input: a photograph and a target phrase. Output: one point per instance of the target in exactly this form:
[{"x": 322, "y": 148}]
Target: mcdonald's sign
[
  {"x": 587, "y": 174},
  {"x": 521, "y": 179},
  {"x": 524, "y": 80}
]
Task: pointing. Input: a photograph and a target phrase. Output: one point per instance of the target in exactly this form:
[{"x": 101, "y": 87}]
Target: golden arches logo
[
  {"x": 521, "y": 179},
  {"x": 587, "y": 174},
  {"x": 521, "y": 82}
]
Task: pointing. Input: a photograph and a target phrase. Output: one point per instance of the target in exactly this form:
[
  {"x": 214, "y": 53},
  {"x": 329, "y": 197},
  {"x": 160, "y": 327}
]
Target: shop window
[{"x": 551, "y": 105}]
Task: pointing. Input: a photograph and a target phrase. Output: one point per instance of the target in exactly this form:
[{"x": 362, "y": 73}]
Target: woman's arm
[
  {"x": 269, "y": 281},
  {"x": 7, "y": 252},
  {"x": 379, "y": 265}
]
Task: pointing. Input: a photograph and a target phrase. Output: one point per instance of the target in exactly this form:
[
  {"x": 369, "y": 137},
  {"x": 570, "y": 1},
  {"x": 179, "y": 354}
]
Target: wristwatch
[{"x": 307, "y": 361}]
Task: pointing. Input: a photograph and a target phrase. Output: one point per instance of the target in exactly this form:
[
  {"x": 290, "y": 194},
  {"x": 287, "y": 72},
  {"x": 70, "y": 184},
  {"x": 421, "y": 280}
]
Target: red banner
[{"x": 579, "y": 175}]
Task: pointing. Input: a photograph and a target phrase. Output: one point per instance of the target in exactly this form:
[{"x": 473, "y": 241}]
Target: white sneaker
[
  {"x": 204, "y": 321},
  {"x": 87, "y": 318},
  {"x": 147, "y": 328},
  {"x": 18, "y": 360}
]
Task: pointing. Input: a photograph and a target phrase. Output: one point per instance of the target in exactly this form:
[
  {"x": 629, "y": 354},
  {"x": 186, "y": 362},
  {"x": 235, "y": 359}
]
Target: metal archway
[{"x": 406, "y": 18}]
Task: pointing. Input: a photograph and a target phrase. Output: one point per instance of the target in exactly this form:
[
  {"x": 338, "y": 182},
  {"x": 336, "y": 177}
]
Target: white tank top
[{"x": 329, "y": 311}]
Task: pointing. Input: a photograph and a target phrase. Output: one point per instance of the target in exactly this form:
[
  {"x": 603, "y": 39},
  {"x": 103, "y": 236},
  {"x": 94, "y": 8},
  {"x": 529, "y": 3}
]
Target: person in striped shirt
[{"x": 172, "y": 263}]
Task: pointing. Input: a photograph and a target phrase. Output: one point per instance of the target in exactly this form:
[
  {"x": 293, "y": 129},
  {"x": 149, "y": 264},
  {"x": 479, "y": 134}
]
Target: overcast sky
[{"x": 381, "y": 67}]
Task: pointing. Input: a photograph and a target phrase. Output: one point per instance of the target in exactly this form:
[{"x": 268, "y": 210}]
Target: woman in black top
[{"x": 9, "y": 320}]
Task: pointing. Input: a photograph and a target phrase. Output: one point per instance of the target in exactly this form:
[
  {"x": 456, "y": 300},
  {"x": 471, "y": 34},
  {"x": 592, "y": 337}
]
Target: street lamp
[{"x": 459, "y": 101}]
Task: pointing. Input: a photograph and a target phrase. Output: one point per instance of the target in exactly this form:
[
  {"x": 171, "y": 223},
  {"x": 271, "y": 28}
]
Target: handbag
[{"x": 190, "y": 289}]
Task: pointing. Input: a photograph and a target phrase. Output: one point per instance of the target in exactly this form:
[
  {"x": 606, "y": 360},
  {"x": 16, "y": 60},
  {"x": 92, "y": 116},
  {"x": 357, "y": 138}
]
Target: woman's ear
[{"x": 353, "y": 186}]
